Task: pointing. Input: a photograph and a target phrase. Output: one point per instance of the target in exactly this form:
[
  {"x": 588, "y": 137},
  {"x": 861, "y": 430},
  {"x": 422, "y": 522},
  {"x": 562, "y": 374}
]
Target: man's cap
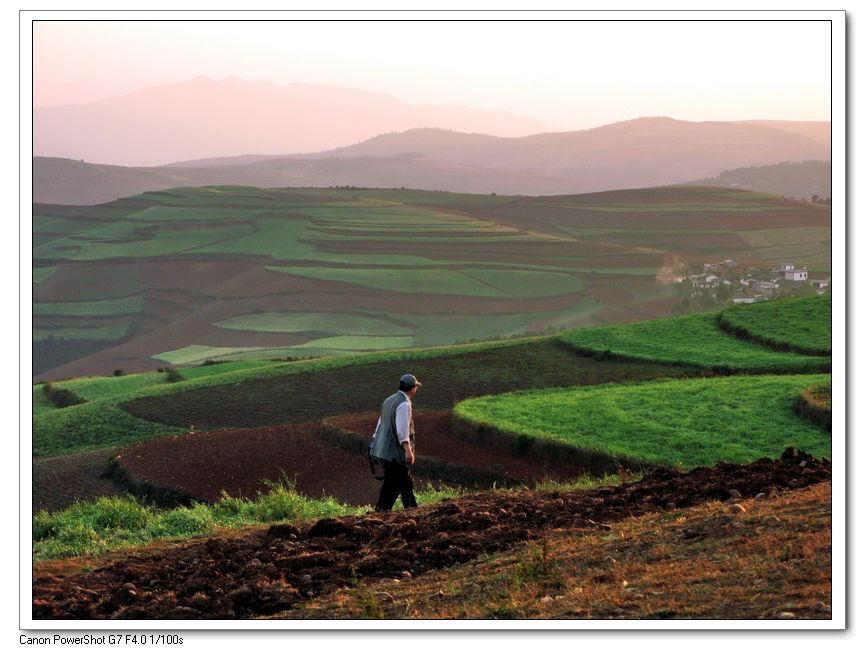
[{"x": 409, "y": 381}]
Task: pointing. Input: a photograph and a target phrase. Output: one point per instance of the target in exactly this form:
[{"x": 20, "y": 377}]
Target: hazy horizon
[{"x": 567, "y": 75}]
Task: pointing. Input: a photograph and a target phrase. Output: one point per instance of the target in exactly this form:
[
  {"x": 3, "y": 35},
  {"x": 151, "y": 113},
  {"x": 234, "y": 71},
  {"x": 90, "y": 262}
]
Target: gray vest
[{"x": 385, "y": 444}]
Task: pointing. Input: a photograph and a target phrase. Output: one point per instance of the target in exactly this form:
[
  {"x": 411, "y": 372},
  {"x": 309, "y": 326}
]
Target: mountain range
[{"x": 636, "y": 153}]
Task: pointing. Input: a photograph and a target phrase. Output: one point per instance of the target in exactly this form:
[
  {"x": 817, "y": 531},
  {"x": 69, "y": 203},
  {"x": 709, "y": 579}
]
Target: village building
[
  {"x": 821, "y": 285},
  {"x": 705, "y": 282},
  {"x": 792, "y": 273}
]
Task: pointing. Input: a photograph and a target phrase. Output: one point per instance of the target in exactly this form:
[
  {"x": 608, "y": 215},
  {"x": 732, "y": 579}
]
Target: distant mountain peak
[{"x": 205, "y": 118}]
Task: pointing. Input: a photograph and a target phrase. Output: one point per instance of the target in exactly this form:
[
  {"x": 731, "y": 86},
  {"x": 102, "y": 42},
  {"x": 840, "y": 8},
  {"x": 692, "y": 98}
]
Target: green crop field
[
  {"x": 694, "y": 340},
  {"x": 108, "y": 333},
  {"x": 94, "y": 388},
  {"x": 686, "y": 423},
  {"x": 801, "y": 324},
  {"x": 330, "y": 323}
]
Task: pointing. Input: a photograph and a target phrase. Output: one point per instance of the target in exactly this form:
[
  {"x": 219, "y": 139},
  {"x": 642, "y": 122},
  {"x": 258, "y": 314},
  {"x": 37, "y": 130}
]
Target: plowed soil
[
  {"x": 239, "y": 461},
  {"x": 60, "y": 481},
  {"x": 267, "y": 572}
]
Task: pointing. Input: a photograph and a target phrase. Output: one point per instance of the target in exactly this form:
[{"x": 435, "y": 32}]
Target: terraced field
[
  {"x": 231, "y": 272},
  {"x": 798, "y": 324},
  {"x": 681, "y": 423},
  {"x": 694, "y": 340}
]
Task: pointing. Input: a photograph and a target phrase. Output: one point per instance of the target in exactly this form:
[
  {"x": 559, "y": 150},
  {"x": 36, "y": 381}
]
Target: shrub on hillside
[{"x": 61, "y": 397}]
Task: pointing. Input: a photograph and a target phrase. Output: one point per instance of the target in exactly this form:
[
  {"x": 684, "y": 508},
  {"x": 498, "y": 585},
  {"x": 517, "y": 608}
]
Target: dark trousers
[{"x": 397, "y": 482}]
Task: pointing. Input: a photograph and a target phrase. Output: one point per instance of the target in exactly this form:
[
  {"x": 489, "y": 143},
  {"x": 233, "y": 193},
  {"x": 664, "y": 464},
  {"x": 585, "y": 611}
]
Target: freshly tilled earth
[{"x": 270, "y": 571}]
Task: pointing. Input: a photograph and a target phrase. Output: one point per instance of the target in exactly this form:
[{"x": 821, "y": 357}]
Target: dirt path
[{"x": 267, "y": 572}]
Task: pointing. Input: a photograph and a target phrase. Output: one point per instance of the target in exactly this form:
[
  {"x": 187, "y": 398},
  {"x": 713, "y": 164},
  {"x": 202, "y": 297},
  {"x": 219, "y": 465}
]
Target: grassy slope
[
  {"x": 800, "y": 324},
  {"x": 694, "y": 340},
  {"x": 101, "y": 423},
  {"x": 41, "y": 403},
  {"x": 688, "y": 423}
]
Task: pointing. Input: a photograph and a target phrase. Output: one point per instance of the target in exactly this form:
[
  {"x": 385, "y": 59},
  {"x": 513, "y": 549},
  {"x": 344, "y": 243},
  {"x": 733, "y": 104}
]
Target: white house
[{"x": 796, "y": 275}]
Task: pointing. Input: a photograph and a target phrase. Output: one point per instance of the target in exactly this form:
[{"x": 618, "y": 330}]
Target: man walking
[{"x": 393, "y": 445}]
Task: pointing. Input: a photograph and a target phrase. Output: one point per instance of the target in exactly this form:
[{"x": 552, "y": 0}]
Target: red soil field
[
  {"x": 239, "y": 461},
  {"x": 60, "y": 481}
]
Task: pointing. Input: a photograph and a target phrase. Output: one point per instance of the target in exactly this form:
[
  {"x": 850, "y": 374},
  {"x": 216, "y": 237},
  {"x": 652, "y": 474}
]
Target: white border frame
[{"x": 839, "y": 323}]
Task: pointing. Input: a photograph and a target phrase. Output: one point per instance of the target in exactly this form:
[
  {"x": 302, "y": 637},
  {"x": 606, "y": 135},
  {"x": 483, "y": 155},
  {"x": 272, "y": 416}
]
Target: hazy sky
[{"x": 568, "y": 75}]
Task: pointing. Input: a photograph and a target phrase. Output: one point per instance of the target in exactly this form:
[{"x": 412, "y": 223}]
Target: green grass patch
[
  {"x": 693, "y": 340},
  {"x": 113, "y": 523},
  {"x": 685, "y": 423},
  {"x": 41, "y": 273},
  {"x": 437, "y": 281},
  {"x": 97, "y": 388},
  {"x": 101, "y": 423},
  {"x": 114, "y": 307},
  {"x": 799, "y": 324},
  {"x": 94, "y": 388},
  {"x": 107, "y": 333},
  {"x": 90, "y": 426}
]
